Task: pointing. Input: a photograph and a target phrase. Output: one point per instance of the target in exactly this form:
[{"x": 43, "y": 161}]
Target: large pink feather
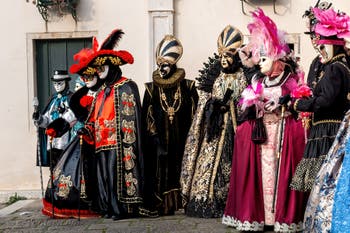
[{"x": 264, "y": 33}]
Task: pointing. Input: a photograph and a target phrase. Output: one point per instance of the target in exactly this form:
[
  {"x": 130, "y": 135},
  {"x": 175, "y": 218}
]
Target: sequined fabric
[{"x": 318, "y": 214}]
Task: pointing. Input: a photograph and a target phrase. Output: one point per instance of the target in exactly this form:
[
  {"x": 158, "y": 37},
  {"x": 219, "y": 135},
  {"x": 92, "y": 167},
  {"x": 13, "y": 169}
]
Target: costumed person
[
  {"x": 268, "y": 148},
  {"x": 74, "y": 193},
  {"x": 79, "y": 83},
  {"x": 329, "y": 101},
  {"x": 316, "y": 66},
  {"x": 206, "y": 164},
  {"x": 57, "y": 107},
  {"x": 113, "y": 127},
  {"x": 168, "y": 107}
]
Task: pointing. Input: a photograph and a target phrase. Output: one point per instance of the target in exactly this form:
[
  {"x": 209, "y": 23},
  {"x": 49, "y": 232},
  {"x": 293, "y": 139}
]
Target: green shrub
[{"x": 14, "y": 198}]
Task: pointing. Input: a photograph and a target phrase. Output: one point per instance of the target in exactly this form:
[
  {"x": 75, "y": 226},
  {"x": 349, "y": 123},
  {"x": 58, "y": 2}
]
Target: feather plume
[
  {"x": 112, "y": 40},
  {"x": 266, "y": 36},
  {"x": 252, "y": 95}
]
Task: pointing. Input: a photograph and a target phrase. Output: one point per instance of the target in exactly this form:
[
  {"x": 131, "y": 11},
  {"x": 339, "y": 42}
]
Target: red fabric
[
  {"x": 50, "y": 132},
  {"x": 245, "y": 198},
  {"x": 66, "y": 213},
  {"x": 86, "y": 101},
  {"x": 103, "y": 134}
]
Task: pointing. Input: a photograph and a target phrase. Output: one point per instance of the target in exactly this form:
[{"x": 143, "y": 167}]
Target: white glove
[{"x": 271, "y": 105}]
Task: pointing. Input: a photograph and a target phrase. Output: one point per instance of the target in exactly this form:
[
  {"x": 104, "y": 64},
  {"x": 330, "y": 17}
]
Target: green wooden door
[{"x": 55, "y": 54}]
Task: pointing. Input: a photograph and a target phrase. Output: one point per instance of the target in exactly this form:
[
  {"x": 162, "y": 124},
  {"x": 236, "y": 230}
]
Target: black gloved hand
[
  {"x": 219, "y": 106},
  {"x": 83, "y": 131},
  {"x": 284, "y": 99},
  {"x": 36, "y": 115},
  {"x": 61, "y": 109}
]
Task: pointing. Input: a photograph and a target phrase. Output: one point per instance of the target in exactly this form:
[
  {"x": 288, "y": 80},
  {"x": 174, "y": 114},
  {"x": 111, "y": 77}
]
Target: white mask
[
  {"x": 265, "y": 64},
  {"x": 90, "y": 81},
  {"x": 59, "y": 86},
  {"x": 325, "y": 51},
  {"x": 103, "y": 71}
]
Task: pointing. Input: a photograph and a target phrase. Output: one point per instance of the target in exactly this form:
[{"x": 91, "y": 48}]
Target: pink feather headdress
[
  {"x": 266, "y": 36},
  {"x": 331, "y": 23}
]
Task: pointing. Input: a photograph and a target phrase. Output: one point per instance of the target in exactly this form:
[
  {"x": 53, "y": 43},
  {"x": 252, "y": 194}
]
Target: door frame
[{"x": 31, "y": 62}]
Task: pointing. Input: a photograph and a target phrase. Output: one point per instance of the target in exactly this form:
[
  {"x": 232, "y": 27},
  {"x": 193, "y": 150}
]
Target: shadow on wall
[{"x": 86, "y": 10}]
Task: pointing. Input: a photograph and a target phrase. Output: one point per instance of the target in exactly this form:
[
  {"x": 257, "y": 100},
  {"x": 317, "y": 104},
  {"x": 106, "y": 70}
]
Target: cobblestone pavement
[{"x": 30, "y": 219}]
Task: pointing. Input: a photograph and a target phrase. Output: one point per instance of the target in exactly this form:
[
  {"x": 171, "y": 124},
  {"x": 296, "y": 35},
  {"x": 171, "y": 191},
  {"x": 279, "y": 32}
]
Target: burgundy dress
[{"x": 250, "y": 199}]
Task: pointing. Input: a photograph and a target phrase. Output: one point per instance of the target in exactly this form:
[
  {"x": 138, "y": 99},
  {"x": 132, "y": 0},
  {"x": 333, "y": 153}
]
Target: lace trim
[
  {"x": 284, "y": 227},
  {"x": 256, "y": 226},
  {"x": 242, "y": 226}
]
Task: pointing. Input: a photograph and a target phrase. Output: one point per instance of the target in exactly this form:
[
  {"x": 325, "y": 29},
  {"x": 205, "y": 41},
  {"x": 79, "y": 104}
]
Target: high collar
[{"x": 172, "y": 81}]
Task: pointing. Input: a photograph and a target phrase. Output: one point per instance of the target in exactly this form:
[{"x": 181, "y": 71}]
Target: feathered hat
[
  {"x": 265, "y": 37},
  {"x": 331, "y": 27},
  {"x": 169, "y": 50},
  {"x": 107, "y": 56},
  {"x": 83, "y": 59},
  {"x": 230, "y": 40},
  {"x": 89, "y": 59},
  {"x": 311, "y": 16}
]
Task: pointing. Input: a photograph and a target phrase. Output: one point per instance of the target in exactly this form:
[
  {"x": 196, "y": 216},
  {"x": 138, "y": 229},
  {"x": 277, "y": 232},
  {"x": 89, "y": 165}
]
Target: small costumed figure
[
  {"x": 73, "y": 194},
  {"x": 57, "y": 107},
  {"x": 206, "y": 164},
  {"x": 268, "y": 148},
  {"x": 168, "y": 107}
]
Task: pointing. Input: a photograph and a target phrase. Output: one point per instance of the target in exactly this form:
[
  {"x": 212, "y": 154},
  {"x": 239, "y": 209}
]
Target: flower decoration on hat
[
  {"x": 265, "y": 37},
  {"x": 324, "y": 5},
  {"x": 333, "y": 26},
  {"x": 230, "y": 40},
  {"x": 169, "y": 50}
]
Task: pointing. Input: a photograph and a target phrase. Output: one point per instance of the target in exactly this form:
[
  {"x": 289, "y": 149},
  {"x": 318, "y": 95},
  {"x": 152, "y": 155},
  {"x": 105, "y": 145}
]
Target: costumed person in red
[
  {"x": 74, "y": 194},
  {"x": 267, "y": 149},
  {"x": 58, "y": 107},
  {"x": 168, "y": 107},
  {"x": 330, "y": 99},
  {"x": 206, "y": 164},
  {"x": 113, "y": 127}
]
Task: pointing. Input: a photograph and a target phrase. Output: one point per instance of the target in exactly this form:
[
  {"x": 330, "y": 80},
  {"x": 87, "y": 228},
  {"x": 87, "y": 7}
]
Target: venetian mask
[
  {"x": 90, "y": 80},
  {"x": 59, "y": 85},
  {"x": 226, "y": 60},
  {"x": 265, "y": 64},
  {"x": 325, "y": 51},
  {"x": 103, "y": 71},
  {"x": 164, "y": 69}
]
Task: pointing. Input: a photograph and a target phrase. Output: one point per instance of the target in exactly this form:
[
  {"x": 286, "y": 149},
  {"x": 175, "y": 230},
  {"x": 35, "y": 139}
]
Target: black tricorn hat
[
  {"x": 60, "y": 125},
  {"x": 59, "y": 75}
]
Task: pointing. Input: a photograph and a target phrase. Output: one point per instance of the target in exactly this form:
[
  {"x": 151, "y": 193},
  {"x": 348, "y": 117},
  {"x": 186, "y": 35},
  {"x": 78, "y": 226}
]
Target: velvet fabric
[
  {"x": 76, "y": 167},
  {"x": 164, "y": 141},
  {"x": 328, "y": 104},
  {"x": 253, "y": 200}
]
